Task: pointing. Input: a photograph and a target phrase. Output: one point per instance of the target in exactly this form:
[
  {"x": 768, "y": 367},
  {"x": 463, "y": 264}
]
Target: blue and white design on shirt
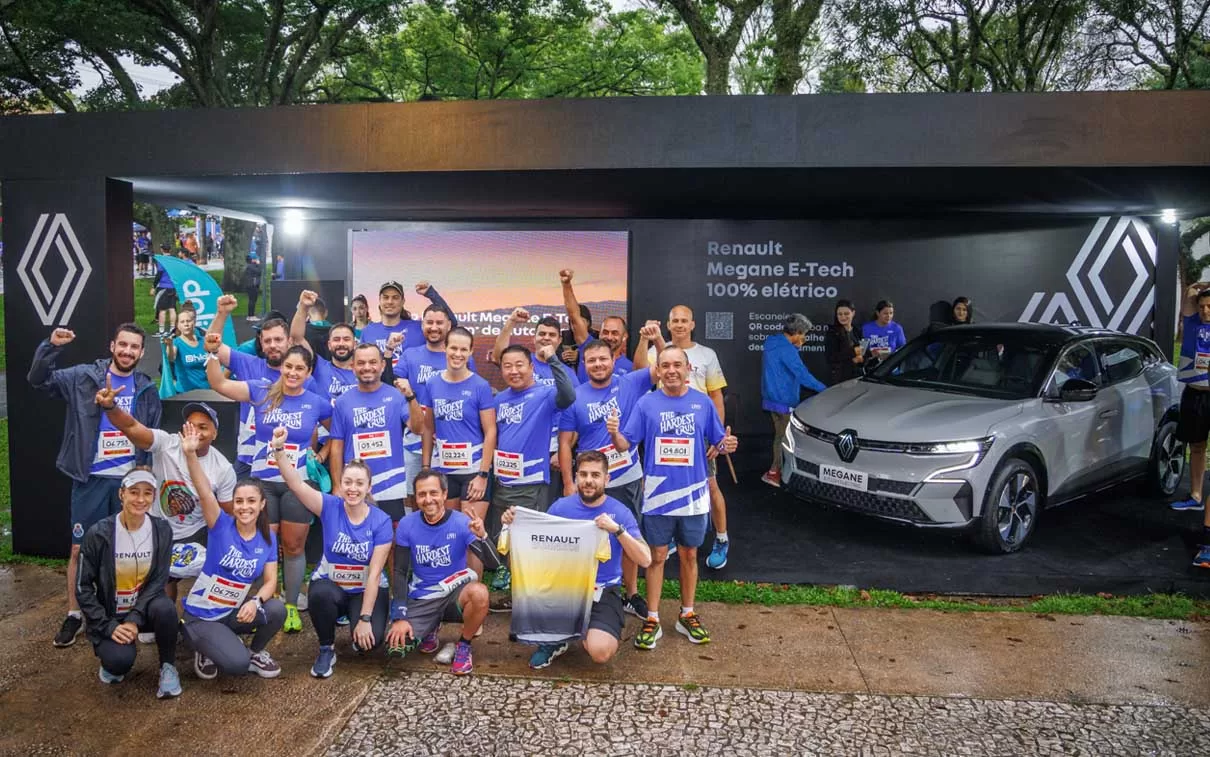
[
  {"x": 114, "y": 454},
  {"x": 1194, "y": 367},
  {"x": 245, "y": 367},
  {"x": 299, "y": 414},
  {"x": 522, "y": 417},
  {"x": 438, "y": 557},
  {"x": 376, "y": 333},
  {"x": 458, "y": 446},
  {"x": 544, "y": 375},
  {"x": 333, "y": 380},
  {"x": 418, "y": 365},
  {"x": 348, "y": 548},
  {"x": 232, "y": 565},
  {"x": 370, "y": 424},
  {"x": 591, "y": 409},
  {"x": 676, "y": 433}
]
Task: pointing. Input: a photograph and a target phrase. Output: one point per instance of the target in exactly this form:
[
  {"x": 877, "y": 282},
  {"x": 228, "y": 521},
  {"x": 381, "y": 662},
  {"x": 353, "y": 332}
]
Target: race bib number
[
  {"x": 114, "y": 444},
  {"x": 372, "y": 444},
  {"x": 349, "y": 576},
  {"x": 616, "y": 459},
  {"x": 674, "y": 451},
  {"x": 456, "y": 455},
  {"x": 509, "y": 464},
  {"x": 126, "y": 599},
  {"x": 289, "y": 451},
  {"x": 453, "y": 581},
  {"x": 1202, "y": 361},
  {"x": 226, "y": 592},
  {"x": 597, "y": 592}
]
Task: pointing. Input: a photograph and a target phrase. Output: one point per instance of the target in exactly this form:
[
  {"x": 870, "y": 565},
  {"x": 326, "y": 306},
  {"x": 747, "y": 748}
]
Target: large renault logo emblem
[
  {"x": 846, "y": 445},
  {"x": 54, "y": 304}
]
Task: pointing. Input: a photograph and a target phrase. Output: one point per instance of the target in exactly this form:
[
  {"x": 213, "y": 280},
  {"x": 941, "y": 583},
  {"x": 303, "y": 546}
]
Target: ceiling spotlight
[
  {"x": 292, "y": 222},
  {"x": 1168, "y": 215}
]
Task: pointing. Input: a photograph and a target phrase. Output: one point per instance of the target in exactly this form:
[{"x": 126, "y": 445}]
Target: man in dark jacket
[
  {"x": 250, "y": 283},
  {"x": 782, "y": 373},
  {"x": 94, "y": 454}
]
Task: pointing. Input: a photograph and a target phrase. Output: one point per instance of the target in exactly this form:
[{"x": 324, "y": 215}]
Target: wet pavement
[{"x": 802, "y": 680}]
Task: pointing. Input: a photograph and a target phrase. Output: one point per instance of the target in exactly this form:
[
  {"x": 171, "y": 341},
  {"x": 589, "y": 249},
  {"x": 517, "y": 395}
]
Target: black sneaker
[
  {"x": 71, "y": 628},
  {"x": 636, "y": 606}
]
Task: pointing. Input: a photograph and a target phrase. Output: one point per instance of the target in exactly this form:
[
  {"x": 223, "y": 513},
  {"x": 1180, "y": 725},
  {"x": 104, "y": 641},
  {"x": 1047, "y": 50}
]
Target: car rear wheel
[
  {"x": 1167, "y": 461},
  {"x": 1010, "y": 508}
]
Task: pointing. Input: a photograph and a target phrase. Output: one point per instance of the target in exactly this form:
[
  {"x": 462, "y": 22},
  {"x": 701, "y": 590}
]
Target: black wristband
[{"x": 365, "y": 618}]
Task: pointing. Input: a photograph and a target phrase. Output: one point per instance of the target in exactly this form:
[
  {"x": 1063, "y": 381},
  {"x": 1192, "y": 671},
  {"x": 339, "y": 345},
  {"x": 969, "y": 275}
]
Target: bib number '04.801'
[{"x": 674, "y": 451}]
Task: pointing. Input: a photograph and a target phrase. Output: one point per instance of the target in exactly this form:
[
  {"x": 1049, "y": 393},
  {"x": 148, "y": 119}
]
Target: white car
[{"x": 981, "y": 427}]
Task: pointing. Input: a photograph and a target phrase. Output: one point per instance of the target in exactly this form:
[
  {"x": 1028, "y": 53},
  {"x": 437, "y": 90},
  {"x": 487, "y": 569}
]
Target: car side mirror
[{"x": 1077, "y": 390}]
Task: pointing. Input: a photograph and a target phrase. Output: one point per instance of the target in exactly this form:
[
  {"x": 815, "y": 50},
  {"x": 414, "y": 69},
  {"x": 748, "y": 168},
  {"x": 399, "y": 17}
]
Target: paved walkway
[{"x": 787, "y": 680}]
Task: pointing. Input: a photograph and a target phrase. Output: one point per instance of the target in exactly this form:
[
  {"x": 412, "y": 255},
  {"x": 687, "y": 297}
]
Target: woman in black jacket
[
  {"x": 843, "y": 346},
  {"x": 120, "y": 587}
]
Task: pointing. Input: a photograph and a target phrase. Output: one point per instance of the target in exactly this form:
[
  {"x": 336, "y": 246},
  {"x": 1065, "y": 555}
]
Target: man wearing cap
[
  {"x": 396, "y": 330},
  {"x": 176, "y": 497}
]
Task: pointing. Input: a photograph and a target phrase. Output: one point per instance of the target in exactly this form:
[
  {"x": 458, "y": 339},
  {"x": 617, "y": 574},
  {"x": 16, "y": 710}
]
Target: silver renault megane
[{"x": 982, "y": 427}]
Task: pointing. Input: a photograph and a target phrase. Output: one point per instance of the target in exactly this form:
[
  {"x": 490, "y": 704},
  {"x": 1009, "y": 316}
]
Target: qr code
[{"x": 720, "y": 325}]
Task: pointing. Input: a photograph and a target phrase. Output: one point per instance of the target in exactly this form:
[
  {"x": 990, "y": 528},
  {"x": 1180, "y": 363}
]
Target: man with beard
[
  {"x": 590, "y": 502},
  {"x": 94, "y": 454},
  {"x": 583, "y": 424},
  {"x": 396, "y": 330},
  {"x": 680, "y": 430},
  {"x": 177, "y": 500},
  {"x": 613, "y": 331},
  {"x": 333, "y": 376},
  {"x": 546, "y": 334},
  {"x": 367, "y": 424},
  {"x": 274, "y": 340}
]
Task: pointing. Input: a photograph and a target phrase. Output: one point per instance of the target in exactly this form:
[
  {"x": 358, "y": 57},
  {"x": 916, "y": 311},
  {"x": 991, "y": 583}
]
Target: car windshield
[{"x": 988, "y": 364}]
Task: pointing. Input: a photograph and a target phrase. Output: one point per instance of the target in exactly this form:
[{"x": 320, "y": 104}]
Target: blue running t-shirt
[
  {"x": 458, "y": 446},
  {"x": 523, "y": 421},
  {"x": 114, "y": 454},
  {"x": 348, "y": 547},
  {"x": 591, "y": 409},
  {"x": 438, "y": 556},
  {"x": 621, "y": 364},
  {"x": 232, "y": 565},
  {"x": 676, "y": 433},
  {"x": 609, "y": 573},
  {"x": 371, "y": 426},
  {"x": 331, "y": 379},
  {"x": 376, "y": 333},
  {"x": 300, "y": 414},
  {"x": 889, "y": 337},
  {"x": 418, "y": 365},
  {"x": 1194, "y": 365}
]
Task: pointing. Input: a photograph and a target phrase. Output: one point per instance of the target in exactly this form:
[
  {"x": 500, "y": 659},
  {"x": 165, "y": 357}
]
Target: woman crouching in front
[
  {"x": 123, "y": 570},
  {"x": 239, "y": 550}
]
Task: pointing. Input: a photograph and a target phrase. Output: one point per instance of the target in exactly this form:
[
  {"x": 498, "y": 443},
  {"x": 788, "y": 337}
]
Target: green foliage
[{"x": 525, "y": 49}]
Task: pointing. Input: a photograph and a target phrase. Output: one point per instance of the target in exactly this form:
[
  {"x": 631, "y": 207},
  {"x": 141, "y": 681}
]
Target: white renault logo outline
[
  {"x": 846, "y": 445},
  {"x": 54, "y": 307}
]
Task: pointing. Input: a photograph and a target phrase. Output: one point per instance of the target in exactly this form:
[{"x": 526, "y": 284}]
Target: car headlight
[
  {"x": 964, "y": 447},
  {"x": 798, "y": 425}
]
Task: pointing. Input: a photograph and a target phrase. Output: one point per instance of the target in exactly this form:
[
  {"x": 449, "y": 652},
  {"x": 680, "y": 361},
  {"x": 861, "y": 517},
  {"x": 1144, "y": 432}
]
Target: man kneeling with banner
[{"x": 557, "y": 595}]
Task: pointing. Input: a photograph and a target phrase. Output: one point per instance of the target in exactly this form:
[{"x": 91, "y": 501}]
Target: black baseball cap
[
  {"x": 199, "y": 407},
  {"x": 391, "y": 285},
  {"x": 271, "y": 315}
]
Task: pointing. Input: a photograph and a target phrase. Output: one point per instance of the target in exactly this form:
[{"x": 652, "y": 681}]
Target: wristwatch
[
  {"x": 482, "y": 474},
  {"x": 365, "y": 618},
  {"x": 621, "y": 530},
  {"x": 410, "y": 397}
]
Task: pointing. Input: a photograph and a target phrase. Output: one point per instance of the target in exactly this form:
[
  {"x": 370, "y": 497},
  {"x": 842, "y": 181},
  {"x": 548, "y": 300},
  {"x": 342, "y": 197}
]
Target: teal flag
[{"x": 197, "y": 286}]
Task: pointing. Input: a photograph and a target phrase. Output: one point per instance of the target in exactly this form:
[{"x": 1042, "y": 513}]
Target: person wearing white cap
[
  {"x": 176, "y": 498},
  {"x": 120, "y": 586}
]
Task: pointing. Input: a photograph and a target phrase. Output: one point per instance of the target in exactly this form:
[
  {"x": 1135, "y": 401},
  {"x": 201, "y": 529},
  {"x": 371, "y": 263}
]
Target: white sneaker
[
  {"x": 147, "y": 637},
  {"x": 446, "y": 655},
  {"x": 302, "y": 601}
]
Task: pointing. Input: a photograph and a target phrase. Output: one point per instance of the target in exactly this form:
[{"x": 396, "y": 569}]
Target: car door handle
[{"x": 1107, "y": 413}]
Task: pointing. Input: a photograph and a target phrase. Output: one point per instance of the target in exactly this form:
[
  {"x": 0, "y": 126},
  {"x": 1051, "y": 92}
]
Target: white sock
[
  {"x": 721, "y": 537},
  {"x": 687, "y": 610},
  {"x": 76, "y": 614},
  {"x": 653, "y": 616}
]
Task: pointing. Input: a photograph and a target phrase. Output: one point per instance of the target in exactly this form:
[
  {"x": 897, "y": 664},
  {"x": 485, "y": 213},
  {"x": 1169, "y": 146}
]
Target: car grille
[
  {"x": 866, "y": 502},
  {"x": 902, "y": 488},
  {"x": 867, "y": 444}
]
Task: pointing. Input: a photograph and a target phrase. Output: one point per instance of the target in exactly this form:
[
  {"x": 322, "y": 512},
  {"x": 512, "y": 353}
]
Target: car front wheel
[
  {"x": 1010, "y": 508},
  {"x": 1167, "y": 461}
]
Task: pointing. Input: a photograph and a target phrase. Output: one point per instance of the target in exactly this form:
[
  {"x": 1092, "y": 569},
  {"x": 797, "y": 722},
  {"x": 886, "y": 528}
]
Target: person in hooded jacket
[{"x": 782, "y": 374}]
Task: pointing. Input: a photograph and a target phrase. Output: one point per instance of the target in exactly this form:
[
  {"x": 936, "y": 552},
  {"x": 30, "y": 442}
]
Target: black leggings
[
  {"x": 253, "y": 294},
  {"x": 326, "y": 602},
  {"x": 219, "y": 640},
  {"x": 160, "y": 618}
]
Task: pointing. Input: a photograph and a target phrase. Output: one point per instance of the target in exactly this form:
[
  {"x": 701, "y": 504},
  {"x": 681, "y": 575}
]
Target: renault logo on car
[{"x": 846, "y": 445}]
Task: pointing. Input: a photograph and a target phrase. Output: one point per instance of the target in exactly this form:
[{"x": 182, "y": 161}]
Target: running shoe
[
  {"x": 302, "y": 603},
  {"x": 1202, "y": 560},
  {"x": 204, "y": 667},
  {"x": 772, "y": 478},
  {"x": 503, "y": 580},
  {"x": 293, "y": 622},
  {"x": 263, "y": 665},
  {"x": 636, "y": 606},
  {"x": 107, "y": 677},
  {"x": 649, "y": 634},
  {"x": 324, "y": 662},
  {"x": 342, "y": 621},
  {"x": 147, "y": 637},
  {"x": 71, "y": 628},
  {"x": 1190, "y": 504},
  {"x": 691, "y": 626},
  {"x": 463, "y": 664},
  {"x": 170, "y": 682},
  {"x": 545, "y": 654},
  {"x": 718, "y": 555},
  {"x": 446, "y": 655},
  {"x": 430, "y": 643}
]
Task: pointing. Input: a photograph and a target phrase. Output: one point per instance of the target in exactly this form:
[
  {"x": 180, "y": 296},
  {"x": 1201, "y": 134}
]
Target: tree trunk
[
  {"x": 718, "y": 70},
  {"x": 237, "y": 237}
]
